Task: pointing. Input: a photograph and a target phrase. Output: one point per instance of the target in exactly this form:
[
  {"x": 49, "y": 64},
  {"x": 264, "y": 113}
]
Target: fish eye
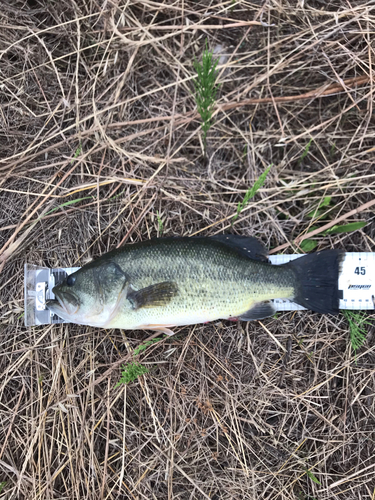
[{"x": 70, "y": 280}]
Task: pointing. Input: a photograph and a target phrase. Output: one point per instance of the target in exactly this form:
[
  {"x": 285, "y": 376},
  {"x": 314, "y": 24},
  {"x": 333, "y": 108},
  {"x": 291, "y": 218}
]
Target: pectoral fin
[
  {"x": 156, "y": 295},
  {"x": 260, "y": 310}
]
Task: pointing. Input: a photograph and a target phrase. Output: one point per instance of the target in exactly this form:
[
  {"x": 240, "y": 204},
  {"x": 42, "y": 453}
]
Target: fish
[{"x": 163, "y": 283}]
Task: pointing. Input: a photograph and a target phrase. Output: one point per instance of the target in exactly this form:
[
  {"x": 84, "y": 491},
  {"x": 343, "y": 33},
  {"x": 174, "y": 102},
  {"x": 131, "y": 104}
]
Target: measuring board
[{"x": 356, "y": 284}]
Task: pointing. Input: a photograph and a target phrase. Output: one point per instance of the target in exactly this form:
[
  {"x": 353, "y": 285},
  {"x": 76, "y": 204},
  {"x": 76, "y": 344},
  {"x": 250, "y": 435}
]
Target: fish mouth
[
  {"x": 55, "y": 307},
  {"x": 66, "y": 304}
]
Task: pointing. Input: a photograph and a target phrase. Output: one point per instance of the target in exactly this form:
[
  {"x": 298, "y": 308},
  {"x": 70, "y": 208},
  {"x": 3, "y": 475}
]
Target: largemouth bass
[{"x": 167, "y": 282}]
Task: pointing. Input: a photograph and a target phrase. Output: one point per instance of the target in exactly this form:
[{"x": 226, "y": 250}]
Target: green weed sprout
[
  {"x": 130, "y": 372},
  {"x": 206, "y": 89},
  {"x": 305, "y": 152},
  {"x": 160, "y": 224},
  {"x": 251, "y": 192},
  {"x": 77, "y": 153},
  {"x": 144, "y": 346},
  {"x": 357, "y": 328},
  {"x": 312, "y": 476}
]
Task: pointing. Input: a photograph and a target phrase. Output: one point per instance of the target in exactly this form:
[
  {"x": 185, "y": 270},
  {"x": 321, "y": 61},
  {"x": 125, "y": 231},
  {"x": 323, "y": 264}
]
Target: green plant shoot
[
  {"x": 77, "y": 153},
  {"x": 67, "y": 203},
  {"x": 305, "y": 151},
  {"x": 130, "y": 372},
  {"x": 308, "y": 245},
  {"x": 144, "y": 346},
  {"x": 347, "y": 228},
  {"x": 160, "y": 223},
  {"x": 312, "y": 476},
  {"x": 251, "y": 192},
  {"x": 206, "y": 89},
  {"x": 318, "y": 212},
  {"x": 357, "y": 328}
]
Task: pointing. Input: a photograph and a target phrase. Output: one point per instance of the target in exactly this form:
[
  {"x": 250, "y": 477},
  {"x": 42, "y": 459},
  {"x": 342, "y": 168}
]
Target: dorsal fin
[{"x": 247, "y": 246}]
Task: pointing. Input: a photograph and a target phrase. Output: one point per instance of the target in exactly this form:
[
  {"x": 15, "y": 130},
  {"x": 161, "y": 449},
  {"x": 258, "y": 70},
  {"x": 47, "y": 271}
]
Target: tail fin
[{"x": 317, "y": 280}]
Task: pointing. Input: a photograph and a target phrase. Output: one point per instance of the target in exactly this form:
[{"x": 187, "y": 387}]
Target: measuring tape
[{"x": 356, "y": 284}]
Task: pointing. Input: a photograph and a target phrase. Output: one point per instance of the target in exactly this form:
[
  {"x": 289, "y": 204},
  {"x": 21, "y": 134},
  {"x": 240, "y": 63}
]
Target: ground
[{"x": 101, "y": 145}]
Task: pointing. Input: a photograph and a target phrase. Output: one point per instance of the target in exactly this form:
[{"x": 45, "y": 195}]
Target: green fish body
[{"x": 168, "y": 282}]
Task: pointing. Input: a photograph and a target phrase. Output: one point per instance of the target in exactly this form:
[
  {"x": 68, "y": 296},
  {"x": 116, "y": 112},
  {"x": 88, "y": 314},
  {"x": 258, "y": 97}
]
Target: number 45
[{"x": 360, "y": 270}]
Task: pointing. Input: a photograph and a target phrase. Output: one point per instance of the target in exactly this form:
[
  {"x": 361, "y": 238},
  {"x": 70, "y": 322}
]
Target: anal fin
[
  {"x": 260, "y": 310},
  {"x": 158, "y": 328}
]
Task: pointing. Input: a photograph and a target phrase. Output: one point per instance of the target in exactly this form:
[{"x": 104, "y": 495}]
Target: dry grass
[{"x": 96, "y": 104}]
